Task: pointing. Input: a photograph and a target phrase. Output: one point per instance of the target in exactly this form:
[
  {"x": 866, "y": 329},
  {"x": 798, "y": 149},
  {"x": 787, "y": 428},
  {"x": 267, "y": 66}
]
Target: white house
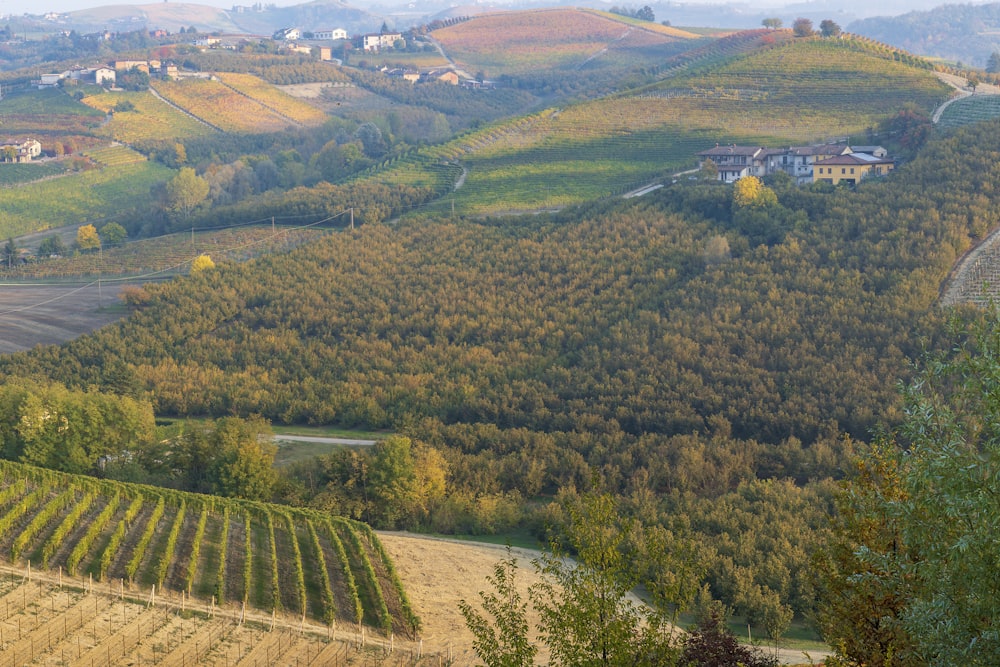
[
  {"x": 336, "y": 33},
  {"x": 378, "y": 41}
]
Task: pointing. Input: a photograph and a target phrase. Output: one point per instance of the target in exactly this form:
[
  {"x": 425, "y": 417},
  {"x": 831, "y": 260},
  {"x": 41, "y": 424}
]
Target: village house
[
  {"x": 20, "y": 152},
  {"x": 100, "y": 75},
  {"x": 330, "y": 35},
  {"x": 851, "y": 168},
  {"x": 800, "y": 162},
  {"x": 378, "y": 41},
  {"x": 287, "y": 34}
]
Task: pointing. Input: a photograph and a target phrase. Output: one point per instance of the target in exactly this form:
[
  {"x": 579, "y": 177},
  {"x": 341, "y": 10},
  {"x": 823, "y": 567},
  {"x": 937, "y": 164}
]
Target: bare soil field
[{"x": 37, "y": 314}]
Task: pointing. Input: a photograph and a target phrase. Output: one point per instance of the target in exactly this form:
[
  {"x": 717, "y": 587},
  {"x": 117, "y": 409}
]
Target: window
[
  {"x": 843, "y": 170},
  {"x": 852, "y": 170}
]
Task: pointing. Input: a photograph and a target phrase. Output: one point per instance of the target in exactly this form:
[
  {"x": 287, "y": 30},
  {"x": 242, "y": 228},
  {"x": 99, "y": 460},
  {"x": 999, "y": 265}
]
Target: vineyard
[
  {"x": 228, "y": 554},
  {"x": 276, "y": 100},
  {"x": 221, "y": 106},
  {"x": 113, "y": 155},
  {"x": 148, "y": 120},
  {"x": 17, "y": 174},
  {"x": 544, "y": 39},
  {"x": 167, "y": 254},
  {"x": 46, "y": 111},
  {"x": 970, "y": 110},
  {"x": 83, "y": 197}
]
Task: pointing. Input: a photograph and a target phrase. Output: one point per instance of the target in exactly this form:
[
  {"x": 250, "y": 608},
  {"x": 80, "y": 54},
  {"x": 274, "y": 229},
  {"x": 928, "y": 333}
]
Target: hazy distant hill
[
  {"x": 968, "y": 33},
  {"x": 173, "y": 16}
]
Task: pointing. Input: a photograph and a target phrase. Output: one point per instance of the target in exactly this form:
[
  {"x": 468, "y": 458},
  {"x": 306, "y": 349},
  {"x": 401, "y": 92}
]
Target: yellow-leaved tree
[
  {"x": 201, "y": 263},
  {"x": 87, "y": 237},
  {"x": 750, "y": 192}
]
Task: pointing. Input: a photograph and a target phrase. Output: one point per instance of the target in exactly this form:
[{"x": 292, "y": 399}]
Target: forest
[{"x": 709, "y": 360}]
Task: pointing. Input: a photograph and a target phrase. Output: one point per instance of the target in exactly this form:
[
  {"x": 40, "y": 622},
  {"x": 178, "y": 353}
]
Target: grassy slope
[
  {"x": 790, "y": 92},
  {"x": 89, "y": 196}
]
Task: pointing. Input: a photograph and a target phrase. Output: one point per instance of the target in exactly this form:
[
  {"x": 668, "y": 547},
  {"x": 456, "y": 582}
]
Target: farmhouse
[
  {"x": 851, "y": 168},
  {"x": 800, "y": 162},
  {"x": 442, "y": 75},
  {"x": 100, "y": 75},
  {"x": 20, "y": 152},
  {"x": 377, "y": 41}
]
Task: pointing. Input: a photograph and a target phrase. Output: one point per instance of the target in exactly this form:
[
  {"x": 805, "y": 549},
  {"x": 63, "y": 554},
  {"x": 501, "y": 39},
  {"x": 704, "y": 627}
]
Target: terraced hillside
[{"x": 230, "y": 552}]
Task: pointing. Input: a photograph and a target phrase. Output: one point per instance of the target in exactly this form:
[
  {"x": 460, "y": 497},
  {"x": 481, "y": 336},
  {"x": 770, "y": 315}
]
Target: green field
[
  {"x": 88, "y": 196},
  {"x": 16, "y": 174}
]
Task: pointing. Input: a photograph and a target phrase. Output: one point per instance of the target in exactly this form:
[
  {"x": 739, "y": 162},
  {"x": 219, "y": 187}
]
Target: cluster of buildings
[
  {"x": 106, "y": 74},
  {"x": 372, "y": 42},
  {"x": 830, "y": 163}
]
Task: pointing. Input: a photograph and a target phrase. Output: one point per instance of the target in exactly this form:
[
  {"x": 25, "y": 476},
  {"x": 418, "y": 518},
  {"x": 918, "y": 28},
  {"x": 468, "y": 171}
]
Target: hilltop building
[{"x": 802, "y": 163}]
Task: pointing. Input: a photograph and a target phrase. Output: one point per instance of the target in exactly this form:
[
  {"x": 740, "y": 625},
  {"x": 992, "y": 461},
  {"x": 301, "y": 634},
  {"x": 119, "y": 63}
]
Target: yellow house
[{"x": 850, "y": 168}]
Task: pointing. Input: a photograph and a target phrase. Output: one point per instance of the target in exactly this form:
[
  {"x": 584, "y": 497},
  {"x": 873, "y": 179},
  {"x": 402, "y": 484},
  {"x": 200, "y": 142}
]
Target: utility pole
[
  {"x": 352, "y": 217},
  {"x": 100, "y": 272}
]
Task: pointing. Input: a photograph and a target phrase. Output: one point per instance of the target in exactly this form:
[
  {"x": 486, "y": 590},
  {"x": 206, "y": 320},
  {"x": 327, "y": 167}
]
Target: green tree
[
  {"x": 392, "y": 480},
  {"x": 501, "y": 636},
  {"x": 112, "y": 234},
  {"x": 87, "y": 238},
  {"x": 185, "y": 191},
  {"x": 10, "y": 252},
  {"x": 52, "y": 245},
  {"x": 772, "y": 23},
  {"x": 936, "y": 580},
  {"x": 829, "y": 28},
  {"x": 993, "y": 63},
  {"x": 244, "y": 463},
  {"x": 586, "y": 615}
]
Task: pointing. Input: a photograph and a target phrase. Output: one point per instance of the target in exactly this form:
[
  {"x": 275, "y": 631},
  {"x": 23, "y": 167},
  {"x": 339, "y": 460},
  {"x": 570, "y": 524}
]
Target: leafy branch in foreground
[{"x": 501, "y": 638}]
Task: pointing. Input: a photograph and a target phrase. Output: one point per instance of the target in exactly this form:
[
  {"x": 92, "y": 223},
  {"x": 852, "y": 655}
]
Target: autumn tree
[
  {"x": 202, "y": 263},
  {"x": 87, "y": 238},
  {"x": 244, "y": 463},
  {"x": 185, "y": 191},
  {"x": 772, "y": 23},
  {"x": 802, "y": 27},
  {"x": 750, "y": 192}
]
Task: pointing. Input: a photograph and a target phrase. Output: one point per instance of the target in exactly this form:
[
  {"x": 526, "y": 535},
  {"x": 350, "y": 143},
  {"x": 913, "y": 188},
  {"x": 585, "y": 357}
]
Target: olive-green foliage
[
  {"x": 71, "y": 430},
  {"x": 935, "y": 495}
]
